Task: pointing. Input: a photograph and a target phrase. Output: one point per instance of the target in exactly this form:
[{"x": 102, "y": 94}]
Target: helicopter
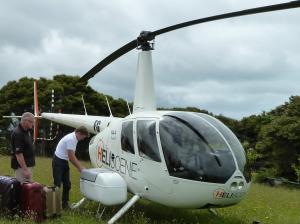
[{"x": 174, "y": 158}]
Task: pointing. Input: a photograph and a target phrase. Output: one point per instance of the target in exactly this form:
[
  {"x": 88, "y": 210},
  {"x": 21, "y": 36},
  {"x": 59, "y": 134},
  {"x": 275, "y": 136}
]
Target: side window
[
  {"x": 127, "y": 137},
  {"x": 146, "y": 140}
]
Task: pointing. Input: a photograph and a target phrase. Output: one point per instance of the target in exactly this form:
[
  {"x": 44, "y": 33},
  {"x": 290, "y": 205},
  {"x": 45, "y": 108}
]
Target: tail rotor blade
[
  {"x": 36, "y": 111},
  {"x": 36, "y": 101},
  {"x": 36, "y": 129}
]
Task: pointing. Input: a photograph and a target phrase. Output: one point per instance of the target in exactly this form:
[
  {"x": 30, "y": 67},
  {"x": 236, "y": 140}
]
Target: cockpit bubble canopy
[{"x": 199, "y": 147}]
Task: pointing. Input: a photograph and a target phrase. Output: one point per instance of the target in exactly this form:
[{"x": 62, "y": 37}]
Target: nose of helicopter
[
  {"x": 232, "y": 191},
  {"x": 237, "y": 184},
  {"x": 197, "y": 194}
]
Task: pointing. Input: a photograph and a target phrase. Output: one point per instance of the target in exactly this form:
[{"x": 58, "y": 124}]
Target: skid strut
[{"x": 130, "y": 203}]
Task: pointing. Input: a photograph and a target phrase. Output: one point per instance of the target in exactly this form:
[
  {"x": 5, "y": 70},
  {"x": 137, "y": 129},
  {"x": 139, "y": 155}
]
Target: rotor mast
[{"x": 144, "y": 97}]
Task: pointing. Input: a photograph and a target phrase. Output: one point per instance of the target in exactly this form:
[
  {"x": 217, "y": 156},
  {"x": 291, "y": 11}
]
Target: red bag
[{"x": 32, "y": 201}]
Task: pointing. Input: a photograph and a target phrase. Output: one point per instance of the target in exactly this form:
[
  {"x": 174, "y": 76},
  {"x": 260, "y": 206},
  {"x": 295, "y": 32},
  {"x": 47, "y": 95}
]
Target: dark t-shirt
[{"x": 21, "y": 142}]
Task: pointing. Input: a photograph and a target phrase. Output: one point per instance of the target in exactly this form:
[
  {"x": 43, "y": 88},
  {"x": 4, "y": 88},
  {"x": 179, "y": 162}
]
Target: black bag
[{"x": 10, "y": 194}]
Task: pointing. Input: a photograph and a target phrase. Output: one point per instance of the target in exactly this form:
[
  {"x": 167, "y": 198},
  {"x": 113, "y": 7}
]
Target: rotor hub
[{"x": 145, "y": 41}]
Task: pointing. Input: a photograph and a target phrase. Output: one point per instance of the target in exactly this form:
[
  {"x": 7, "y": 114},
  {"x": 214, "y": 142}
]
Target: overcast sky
[{"x": 234, "y": 67}]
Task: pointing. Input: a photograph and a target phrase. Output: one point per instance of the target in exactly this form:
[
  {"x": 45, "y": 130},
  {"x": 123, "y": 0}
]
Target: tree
[
  {"x": 279, "y": 143},
  {"x": 17, "y": 97}
]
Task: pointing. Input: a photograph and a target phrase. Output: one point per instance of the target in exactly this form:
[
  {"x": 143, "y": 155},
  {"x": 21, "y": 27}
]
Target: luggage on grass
[
  {"x": 52, "y": 201},
  {"x": 10, "y": 192},
  {"x": 33, "y": 201}
]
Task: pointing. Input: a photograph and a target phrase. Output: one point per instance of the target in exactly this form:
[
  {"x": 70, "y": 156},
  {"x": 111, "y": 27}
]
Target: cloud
[
  {"x": 54, "y": 54},
  {"x": 234, "y": 67}
]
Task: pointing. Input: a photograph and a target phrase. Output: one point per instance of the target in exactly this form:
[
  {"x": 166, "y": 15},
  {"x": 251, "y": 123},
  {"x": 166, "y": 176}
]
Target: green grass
[{"x": 263, "y": 203}]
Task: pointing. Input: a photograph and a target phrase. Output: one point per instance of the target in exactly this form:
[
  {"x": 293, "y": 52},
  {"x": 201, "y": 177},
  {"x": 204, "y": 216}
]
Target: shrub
[
  {"x": 263, "y": 174},
  {"x": 4, "y": 147},
  {"x": 296, "y": 168}
]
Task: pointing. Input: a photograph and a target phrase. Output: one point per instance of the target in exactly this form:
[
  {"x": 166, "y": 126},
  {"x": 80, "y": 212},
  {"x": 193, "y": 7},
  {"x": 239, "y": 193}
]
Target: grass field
[{"x": 263, "y": 203}]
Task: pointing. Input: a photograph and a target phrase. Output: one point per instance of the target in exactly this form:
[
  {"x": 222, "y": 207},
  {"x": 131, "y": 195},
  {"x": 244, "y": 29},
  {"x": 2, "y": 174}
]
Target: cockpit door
[{"x": 151, "y": 158}]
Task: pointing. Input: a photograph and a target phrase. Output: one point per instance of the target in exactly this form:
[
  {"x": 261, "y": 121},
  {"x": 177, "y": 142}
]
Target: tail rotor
[{"x": 36, "y": 112}]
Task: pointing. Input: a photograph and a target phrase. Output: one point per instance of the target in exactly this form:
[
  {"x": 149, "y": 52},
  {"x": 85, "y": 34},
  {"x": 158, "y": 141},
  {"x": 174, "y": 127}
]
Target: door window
[
  {"x": 146, "y": 140},
  {"x": 127, "y": 137}
]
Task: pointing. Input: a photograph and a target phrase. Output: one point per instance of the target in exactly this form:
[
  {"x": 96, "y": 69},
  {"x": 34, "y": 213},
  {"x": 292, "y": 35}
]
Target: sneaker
[{"x": 66, "y": 205}]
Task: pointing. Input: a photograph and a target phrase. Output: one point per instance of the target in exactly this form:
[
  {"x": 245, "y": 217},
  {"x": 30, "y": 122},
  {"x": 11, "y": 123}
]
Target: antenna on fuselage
[
  {"x": 128, "y": 107},
  {"x": 84, "y": 105},
  {"x": 108, "y": 107}
]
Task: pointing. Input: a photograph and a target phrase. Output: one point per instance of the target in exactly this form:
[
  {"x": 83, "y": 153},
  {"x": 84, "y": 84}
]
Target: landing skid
[
  {"x": 121, "y": 212},
  {"x": 213, "y": 211},
  {"x": 124, "y": 209},
  {"x": 99, "y": 216},
  {"x": 79, "y": 203}
]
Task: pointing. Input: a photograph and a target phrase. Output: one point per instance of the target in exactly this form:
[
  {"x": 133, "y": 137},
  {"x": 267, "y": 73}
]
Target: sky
[{"x": 236, "y": 67}]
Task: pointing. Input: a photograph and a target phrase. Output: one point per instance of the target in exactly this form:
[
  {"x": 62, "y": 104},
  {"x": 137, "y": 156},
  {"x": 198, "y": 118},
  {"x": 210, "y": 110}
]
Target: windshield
[
  {"x": 234, "y": 143},
  {"x": 194, "y": 149}
]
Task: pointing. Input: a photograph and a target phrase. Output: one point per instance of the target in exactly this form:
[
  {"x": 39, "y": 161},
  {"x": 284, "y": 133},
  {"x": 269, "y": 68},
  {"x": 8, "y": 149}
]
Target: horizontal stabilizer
[{"x": 11, "y": 116}]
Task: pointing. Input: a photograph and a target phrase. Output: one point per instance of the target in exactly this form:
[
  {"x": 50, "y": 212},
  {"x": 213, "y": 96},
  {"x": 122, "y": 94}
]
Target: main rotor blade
[
  {"x": 270, "y": 8},
  {"x": 110, "y": 58},
  {"x": 151, "y": 35}
]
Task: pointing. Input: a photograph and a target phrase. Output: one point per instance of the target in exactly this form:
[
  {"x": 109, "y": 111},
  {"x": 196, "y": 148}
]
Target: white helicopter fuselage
[
  {"x": 150, "y": 179},
  {"x": 145, "y": 177},
  {"x": 199, "y": 177}
]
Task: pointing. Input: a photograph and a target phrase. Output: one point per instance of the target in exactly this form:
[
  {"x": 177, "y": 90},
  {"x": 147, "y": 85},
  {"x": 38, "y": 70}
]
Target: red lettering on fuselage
[{"x": 99, "y": 154}]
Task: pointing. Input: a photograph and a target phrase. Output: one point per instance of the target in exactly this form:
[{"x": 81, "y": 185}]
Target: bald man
[{"x": 22, "y": 152}]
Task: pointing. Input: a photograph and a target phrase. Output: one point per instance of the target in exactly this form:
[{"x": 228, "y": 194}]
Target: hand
[
  {"x": 26, "y": 173},
  {"x": 81, "y": 168}
]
